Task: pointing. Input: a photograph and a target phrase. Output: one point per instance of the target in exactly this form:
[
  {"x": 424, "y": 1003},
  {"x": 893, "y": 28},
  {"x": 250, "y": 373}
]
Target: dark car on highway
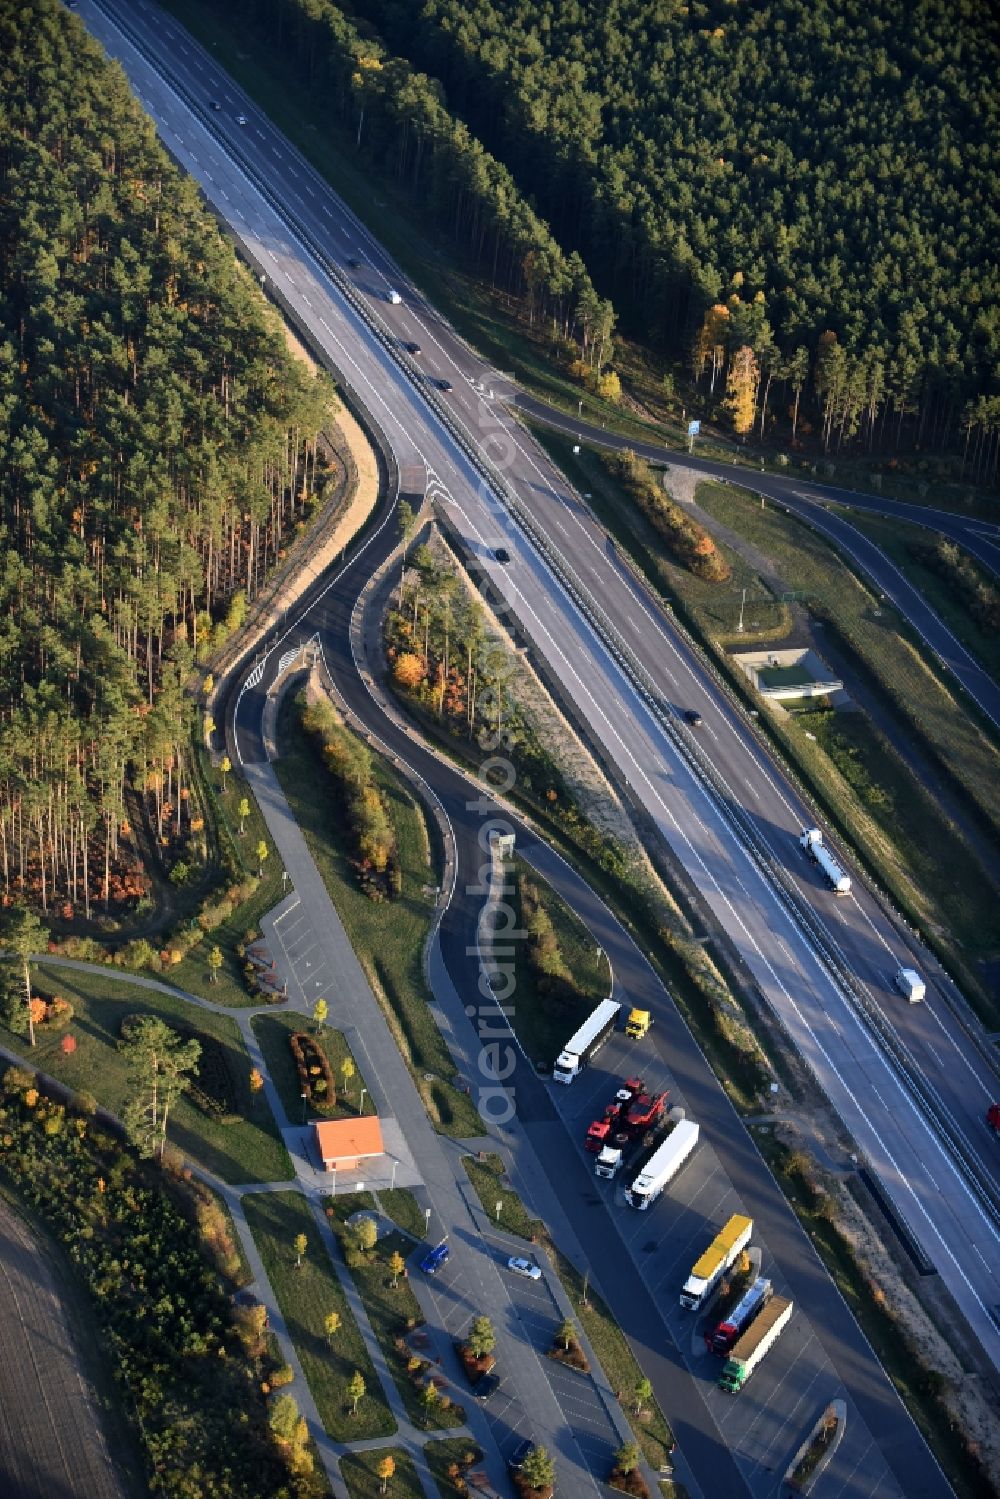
[
  {"x": 412, "y": 348},
  {"x": 694, "y": 718},
  {"x": 444, "y": 385},
  {"x": 501, "y": 554}
]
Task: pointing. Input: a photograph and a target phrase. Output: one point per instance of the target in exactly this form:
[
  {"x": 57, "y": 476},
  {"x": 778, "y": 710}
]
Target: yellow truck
[
  {"x": 712, "y": 1265},
  {"x": 638, "y": 1024}
]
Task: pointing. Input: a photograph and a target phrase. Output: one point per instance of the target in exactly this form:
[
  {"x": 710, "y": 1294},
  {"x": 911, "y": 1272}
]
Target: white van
[
  {"x": 910, "y": 984},
  {"x": 392, "y": 295}
]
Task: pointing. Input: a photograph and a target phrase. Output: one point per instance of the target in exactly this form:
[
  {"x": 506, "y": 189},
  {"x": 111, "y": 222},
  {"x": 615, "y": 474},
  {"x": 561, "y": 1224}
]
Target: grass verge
[
  {"x": 388, "y": 940},
  {"x": 238, "y": 1146},
  {"x": 680, "y": 965},
  {"x": 305, "y": 1295},
  {"x": 360, "y": 1472},
  {"x": 903, "y": 542},
  {"x": 652, "y": 1431},
  {"x": 546, "y": 1007},
  {"x": 393, "y": 1312},
  {"x": 448, "y": 1460},
  {"x": 192, "y": 972},
  {"x": 273, "y": 1032},
  {"x": 399, "y": 1204},
  {"x": 916, "y": 1384}
]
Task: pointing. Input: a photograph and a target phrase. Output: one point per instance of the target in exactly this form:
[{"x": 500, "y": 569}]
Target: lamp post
[
  {"x": 305, "y": 1105},
  {"x": 361, "y": 1101},
  {"x": 427, "y": 1221},
  {"x": 739, "y": 624},
  {"x": 579, "y": 408},
  {"x": 392, "y": 1184}
]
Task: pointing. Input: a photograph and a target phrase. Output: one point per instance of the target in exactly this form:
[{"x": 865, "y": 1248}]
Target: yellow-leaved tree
[{"x": 741, "y": 389}]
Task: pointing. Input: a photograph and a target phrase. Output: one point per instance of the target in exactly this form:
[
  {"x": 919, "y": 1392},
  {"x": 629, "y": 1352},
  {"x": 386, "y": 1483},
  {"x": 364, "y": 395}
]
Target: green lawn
[
  {"x": 607, "y": 1338},
  {"x": 248, "y": 1149},
  {"x": 388, "y": 938},
  {"x": 273, "y": 1032},
  {"x": 399, "y": 1204},
  {"x": 441, "y": 1455},
  {"x": 490, "y": 1183},
  {"x": 306, "y": 1294},
  {"x": 359, "y": 1471},
  {"x": 783, "y": 676},
  {"x": 543, "y": 1016},
  {"x": 392, "y": 1311}
]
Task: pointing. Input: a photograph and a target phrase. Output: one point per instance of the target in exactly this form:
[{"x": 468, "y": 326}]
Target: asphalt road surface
[
  {"x": 51, "y": 1443},
  {"x": 361, "y": 336}
]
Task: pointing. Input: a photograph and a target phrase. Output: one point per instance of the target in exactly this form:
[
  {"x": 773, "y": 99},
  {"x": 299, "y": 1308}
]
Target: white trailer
[
  {"x": 663, "y": 1165},
  {"x": 838, "y": 880},
  {"x": 586, "y": 1042},
  {"x": 711, "y": 1266}
]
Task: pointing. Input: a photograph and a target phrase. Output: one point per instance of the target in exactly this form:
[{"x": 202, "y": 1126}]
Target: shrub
[
  {"x": 690, "y": 543},
  {"x": 313, "y": 1068},
  {"x": 365, "y": 808}
]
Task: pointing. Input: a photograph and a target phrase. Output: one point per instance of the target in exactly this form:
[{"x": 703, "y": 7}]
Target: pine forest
[
  {"x": 793, "y": 201},
  {"x": 160, "y": 445}
]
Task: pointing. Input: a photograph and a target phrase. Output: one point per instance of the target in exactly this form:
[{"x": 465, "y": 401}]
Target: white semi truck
[
  {"x": 586, "y": 1042},
  {"x": 910, "y": 984},
  {"x": 711, "y": 1266},
  {"x": 837, "y": 878},
  {"x": 663, "y": 1165}
]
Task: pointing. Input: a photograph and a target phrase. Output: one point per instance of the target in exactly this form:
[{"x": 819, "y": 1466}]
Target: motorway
[{"x": 723, "y": 808}]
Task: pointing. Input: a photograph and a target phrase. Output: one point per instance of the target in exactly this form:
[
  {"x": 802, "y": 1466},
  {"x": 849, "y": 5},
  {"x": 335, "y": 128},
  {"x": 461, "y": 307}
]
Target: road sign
[{"x": 694, "y": 428}]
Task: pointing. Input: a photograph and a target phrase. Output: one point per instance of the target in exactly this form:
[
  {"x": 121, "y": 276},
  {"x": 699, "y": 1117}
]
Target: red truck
[
  {"x": 614, "y": 1117},
  {"x": 993, "y": 1117}
]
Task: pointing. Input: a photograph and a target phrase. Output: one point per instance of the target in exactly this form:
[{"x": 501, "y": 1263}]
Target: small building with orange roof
[{"x": 344, "y": 1143}]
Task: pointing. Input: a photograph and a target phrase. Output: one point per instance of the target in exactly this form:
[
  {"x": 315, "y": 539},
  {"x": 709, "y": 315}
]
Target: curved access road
[
  {"x": 811, "y": 503},
  {"x": 911, "y": 1082}
]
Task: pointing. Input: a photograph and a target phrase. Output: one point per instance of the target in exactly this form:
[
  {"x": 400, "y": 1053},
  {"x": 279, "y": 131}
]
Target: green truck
[{"x": 763, "y": 1332}]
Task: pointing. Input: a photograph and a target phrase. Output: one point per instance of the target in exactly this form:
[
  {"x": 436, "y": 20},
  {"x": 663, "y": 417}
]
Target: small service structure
[{"x": 343, "y": 1144}]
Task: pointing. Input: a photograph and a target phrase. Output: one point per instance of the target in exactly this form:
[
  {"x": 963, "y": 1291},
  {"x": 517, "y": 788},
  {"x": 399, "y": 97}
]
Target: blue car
[{"x": 432, "y": 1262}]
